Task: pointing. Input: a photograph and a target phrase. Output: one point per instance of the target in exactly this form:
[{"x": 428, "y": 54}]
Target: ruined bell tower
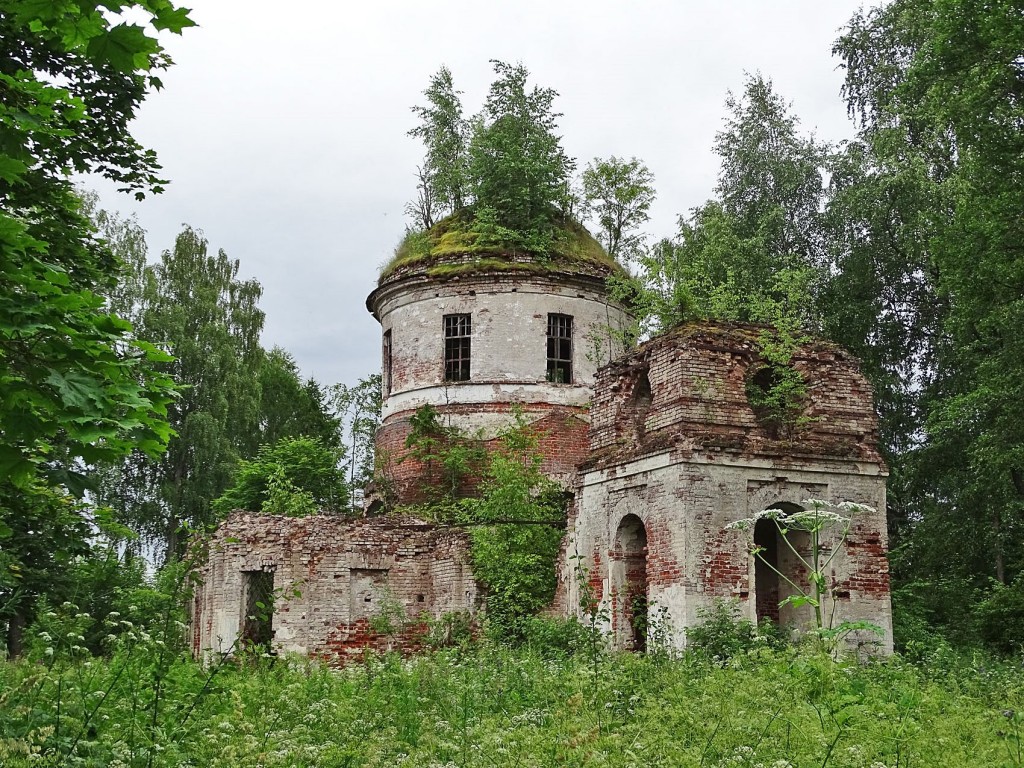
[{"x": 476, "y": 333}]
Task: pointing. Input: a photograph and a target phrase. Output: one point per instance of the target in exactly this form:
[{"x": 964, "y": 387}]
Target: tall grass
[{"x": 492, "y": 706}]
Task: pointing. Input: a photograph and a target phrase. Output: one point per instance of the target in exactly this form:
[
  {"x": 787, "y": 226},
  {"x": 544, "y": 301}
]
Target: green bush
[
  {"x": 295, "y": 476},
  {"x": 999, "y": 618},
  {"x": 722, "y": 632},
  {"x": 554, "y": 637},
  {"x": 450, "y": 630}
]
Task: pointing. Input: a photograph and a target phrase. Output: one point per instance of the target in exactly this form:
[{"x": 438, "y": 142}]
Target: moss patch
[{"x": 453, "y": 247}]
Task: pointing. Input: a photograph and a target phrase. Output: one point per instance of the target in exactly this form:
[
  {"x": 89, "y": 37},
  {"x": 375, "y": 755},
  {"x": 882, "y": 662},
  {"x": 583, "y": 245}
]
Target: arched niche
[
  {"x": 640, "y": 405},
  {"x": 778, "y": 567},
  {"x": 629, "y": 584}
]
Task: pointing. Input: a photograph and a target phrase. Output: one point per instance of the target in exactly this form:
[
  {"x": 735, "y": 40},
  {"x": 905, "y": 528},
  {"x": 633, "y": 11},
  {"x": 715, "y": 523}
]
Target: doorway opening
[
  {"x": 630, "y": 555},
  {"x": 258, "y": 608},
  {"x": 779, "y": 570}
]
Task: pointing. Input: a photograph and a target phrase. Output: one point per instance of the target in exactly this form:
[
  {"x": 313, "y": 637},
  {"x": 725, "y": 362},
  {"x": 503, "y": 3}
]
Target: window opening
[
  {"x": 640, "y": 405},
  {"x": 387, "y": 362},
  {"x": 258, "y": 620},
  {"x": 766, "y": 577},
  {"x": 458, "y": 330},
  {"x": 560, "y": 348}
]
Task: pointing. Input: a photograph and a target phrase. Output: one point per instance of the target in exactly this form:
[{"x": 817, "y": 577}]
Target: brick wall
[
  {"x": 331, "y": 577},
  {"x": 562, "y": 432},
  {"x": 698, "y": 375},
  {"x": 675, "y": 442}
]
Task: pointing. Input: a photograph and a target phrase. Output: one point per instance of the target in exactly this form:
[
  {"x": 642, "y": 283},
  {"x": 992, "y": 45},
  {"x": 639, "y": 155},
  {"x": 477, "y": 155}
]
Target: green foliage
[
  {"x": 444, "y": 181},
  {"x": 42, "y": 531},
  {"x": 451, "y": 630},
  {"x": 144, "y": 690},
  {"x": 722, "y": 633},
  {"x": 515, "y": 519},
  {"x": 290, "y": 407},
  {"x": 296, "y": 476},
  {"x": 449, "y": 457},
  {"x": 1000, "y": 618},
  {"x": 753, "y": 254},
  {"x": 74, "y": 384},
  {"x": 516, "y": 163},
  {"x": 555, "y": 637},
  {"x": 934, "y": 196},
  {"x": 490, "y": 706},
  {"x": 504, "y": 172},
  {"x": 514, "y": 552},
  {"x": 359, "y": 408},
  {"x": 391, "y": 620},
  {"x": 775, "y": 389},
  {"x": 193, "y": 303},
  {"x": 619, "y": 193},
  {"x": 777, "y": 394}
]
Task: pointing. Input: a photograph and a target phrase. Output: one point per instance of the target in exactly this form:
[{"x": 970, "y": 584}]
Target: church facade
[{"x": 660, "y": 447}]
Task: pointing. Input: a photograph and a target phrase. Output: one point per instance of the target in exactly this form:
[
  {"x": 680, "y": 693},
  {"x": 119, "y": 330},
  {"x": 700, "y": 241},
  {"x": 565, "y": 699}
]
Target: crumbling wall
[
  {"x": 688, "y": 456},
  {"x": 562, "y": 442},
  {"x": 333, "y": 580},
  {"x": 698, "y": 375}
]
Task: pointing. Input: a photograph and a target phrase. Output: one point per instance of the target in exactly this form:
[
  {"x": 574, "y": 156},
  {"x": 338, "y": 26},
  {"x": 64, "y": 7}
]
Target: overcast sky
[{"x": 283, "y": 126}]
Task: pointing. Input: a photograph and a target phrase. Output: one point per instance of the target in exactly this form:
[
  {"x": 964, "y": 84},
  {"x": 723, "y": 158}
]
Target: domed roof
[{"x": 455, "y": 246}]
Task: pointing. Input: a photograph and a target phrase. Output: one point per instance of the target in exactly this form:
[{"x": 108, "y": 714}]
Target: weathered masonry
[
  {"x": 661, "y": 448},
  {"x": 678, "y": 452},
  {"x": 314, "y": 585},
  {"x": 476, "y": 338}
]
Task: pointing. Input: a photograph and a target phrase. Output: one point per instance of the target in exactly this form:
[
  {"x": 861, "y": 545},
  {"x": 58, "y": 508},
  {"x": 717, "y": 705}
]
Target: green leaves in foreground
[
  {"x": 73, "y": 384},
  {"x": 495, "y": 707}
]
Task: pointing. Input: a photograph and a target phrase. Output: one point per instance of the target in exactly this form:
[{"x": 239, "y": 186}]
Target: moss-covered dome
[{"x": 455, "y": 246}]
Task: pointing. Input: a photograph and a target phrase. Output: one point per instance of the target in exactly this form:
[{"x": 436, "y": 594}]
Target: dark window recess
[
  {"x": 458, "y": 330},
  {"x": 387, "y": 362},
  {"x": 560, "y": 348},
  {"x": 258, "y": 620}
]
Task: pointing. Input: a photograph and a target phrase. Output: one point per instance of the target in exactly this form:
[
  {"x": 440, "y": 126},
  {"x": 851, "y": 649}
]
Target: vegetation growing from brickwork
[
  {"x": 147, "y": 704},
  {"x": 515, "y": 517},
  {"x": 449, "y": 458},
  {"x": 497, "y": 188},
  {"x": 462, "y": 243}
]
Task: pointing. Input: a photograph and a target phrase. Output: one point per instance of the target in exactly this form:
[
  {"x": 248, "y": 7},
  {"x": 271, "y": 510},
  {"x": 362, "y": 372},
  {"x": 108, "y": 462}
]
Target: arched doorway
[
  {"x": 766, "y": 581},
  {"x": 630, "y": 584},
  {"x": 777, "y": 567}
]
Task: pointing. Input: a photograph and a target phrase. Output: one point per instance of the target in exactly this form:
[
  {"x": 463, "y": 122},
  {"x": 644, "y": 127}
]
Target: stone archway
[
  {"x": 776, "y": 566},
  {"x": 629, "y": 585}
]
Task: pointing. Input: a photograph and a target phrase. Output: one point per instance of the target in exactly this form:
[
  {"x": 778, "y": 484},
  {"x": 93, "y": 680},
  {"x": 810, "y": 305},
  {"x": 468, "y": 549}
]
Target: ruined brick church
[{"x": 659, "y": 447}]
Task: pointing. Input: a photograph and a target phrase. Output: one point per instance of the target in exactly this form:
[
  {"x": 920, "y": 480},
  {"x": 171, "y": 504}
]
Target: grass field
[{"x": 491, "y": 706}]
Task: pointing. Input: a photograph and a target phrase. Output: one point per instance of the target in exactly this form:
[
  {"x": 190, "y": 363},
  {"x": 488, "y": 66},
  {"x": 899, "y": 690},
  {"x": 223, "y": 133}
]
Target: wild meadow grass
[{"x": 491, "y": 706}]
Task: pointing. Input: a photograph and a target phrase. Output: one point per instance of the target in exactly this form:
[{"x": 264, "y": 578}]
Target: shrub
[
  {"x": 450, "y": 630},
  {"x": 552, "y": 637},
  {"x": 296, "y": 476},
  {"x": 722, "y": 632},
  {"x": 999, "y": 618}
]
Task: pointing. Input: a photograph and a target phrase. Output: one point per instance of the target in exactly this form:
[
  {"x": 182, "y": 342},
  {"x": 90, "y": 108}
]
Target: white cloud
[{"x": 284, "y": 131}]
